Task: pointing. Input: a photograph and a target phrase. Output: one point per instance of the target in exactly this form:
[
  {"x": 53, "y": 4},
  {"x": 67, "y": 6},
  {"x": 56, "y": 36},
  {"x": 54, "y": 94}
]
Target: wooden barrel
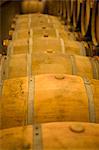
[
  {"x": 39, "y": 31},
  {"x": 77, "y": 4},
  {"x": 67, "y": 64},
  {"x": 58, "y": 45},
  {"x": 37, "y": 20},
  {"x": 57, "y": 94},
  {"x": 49, "y": 63},
  {"x": 85, "y": 17},
  {"x": 46, "y": 37},
  {"x": 74, "y": 47},
  {"x": 40, "y": 44},
  {"x": 61, "y": 8},
  {"x": 25, "y": 5},
  {"x": 64, "y": 17},
  {"x": 32, "y": 6},
  {"x": 95, "y": 23},
  {"x": 60, "y": 135},
  {"x": 67, "y": 98},
  {"x": 69, "y": 10},
  {"x": 48, "y": 43}
]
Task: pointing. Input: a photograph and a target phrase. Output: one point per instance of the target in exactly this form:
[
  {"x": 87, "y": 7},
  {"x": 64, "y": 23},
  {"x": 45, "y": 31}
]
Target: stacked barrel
[
  {"x": 49, "y": 88},
  {"x": 82, "y": 17},
  {"x": 33, "y": 6}
]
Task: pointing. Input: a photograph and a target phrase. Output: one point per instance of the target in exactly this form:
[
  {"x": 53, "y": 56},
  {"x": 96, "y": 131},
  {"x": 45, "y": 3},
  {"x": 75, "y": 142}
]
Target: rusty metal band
[
  {"x": 29, "y": 54},
  {"x": 4, "y": 68},
  {"x": 30, "y": 78},
  {"x": 37, "y": 132},
  {"x": 30, "y": 104},
  {"x": 73, "y": 62},
  {"x": 92, "y": 115},
  {"x": 94, "y": 68},
  {"x": 37, "y": 135}
]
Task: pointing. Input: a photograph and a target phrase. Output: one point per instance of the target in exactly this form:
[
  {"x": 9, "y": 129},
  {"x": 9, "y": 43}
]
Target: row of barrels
[
  {"x": 81, "y": 15},
  {"x": 43, "y": 103},
  {"x": 69, "y": 46},
  {"x": 60, "y": 49},
  {"x": 57, "y": 63},
  {"x": 32, "y": 6}
]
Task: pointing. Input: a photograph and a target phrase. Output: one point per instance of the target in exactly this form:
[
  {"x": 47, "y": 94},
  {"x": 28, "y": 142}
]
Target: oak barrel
[
  {"x": 69, "y": 10},
  {"x": 67, "y": 98},
  {"x": 49, "y": 27},
  {"x": 45, "y": 41},
  {"x": 32, "y": 6},
  {"x": 77, "y": 4},
  {"x": 48, "y": 63},
  {"x": 51, "y": 136},
  {"x": 85, "y": 16},
  {"x": 95, "y": 23},
  {"x": 64, "y": 17}
]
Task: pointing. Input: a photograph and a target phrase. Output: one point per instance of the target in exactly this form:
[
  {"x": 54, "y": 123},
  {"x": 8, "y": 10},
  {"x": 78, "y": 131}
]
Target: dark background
[{"x": 8, "y": 9}]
